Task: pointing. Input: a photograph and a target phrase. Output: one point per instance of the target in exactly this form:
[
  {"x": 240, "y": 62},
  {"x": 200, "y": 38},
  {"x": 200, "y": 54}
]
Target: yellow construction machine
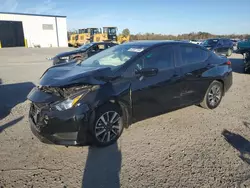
[
  {"x": 73, "y": 40},
  {"x": 110, "y": 34},
  {"x": 122, "y": 38},
  {"x": 87, "y": 35}
]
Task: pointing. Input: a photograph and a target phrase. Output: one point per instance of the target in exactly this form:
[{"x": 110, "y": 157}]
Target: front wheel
[
  {"x": 213, "y": 95},
  {"x": 108, "y": 125}
]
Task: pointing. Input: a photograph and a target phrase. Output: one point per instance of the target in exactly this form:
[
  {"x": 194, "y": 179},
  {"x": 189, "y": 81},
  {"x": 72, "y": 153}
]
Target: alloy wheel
[
  {"x": 108, "y": 127},
  {"x": 214, "y": 95}
]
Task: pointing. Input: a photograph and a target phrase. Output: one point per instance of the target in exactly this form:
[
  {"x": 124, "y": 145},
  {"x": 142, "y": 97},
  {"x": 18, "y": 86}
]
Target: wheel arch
[
  {"x": 122, "y": 105},
  {"x": 223, "y": 85}
]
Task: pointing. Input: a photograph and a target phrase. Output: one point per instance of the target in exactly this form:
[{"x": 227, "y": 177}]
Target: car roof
[{"x": 155, "y": 42}]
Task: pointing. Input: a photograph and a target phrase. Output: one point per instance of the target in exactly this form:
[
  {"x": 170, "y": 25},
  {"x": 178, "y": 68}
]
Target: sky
[{"x": 141, "y": 16}]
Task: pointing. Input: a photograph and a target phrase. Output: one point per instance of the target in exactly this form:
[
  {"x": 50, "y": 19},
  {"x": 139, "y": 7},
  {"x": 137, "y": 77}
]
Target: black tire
[
  {"x": 207, "y": 102},
  {"x": 95, "y": 129}
]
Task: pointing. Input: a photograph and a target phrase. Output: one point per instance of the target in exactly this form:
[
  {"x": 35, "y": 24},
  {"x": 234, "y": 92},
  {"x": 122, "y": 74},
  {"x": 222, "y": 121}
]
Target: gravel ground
[{"x": 183, "y": 148}]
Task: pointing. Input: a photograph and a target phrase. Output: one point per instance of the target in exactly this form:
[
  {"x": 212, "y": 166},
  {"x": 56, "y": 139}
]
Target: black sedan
[
  {"x": 91, "y": 102},
  {"x": 81, "y": 53}
]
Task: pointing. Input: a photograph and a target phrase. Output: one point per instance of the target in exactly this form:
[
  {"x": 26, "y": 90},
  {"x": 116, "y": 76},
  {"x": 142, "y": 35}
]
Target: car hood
[
  {"x": 68, "y": 74},
  {"x": 65, "y": 54}
]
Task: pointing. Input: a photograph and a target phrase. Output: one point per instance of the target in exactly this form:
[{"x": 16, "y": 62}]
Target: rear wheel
[
  {"x": 213, "y": 95},
  {"x": 108, "y": 125}
]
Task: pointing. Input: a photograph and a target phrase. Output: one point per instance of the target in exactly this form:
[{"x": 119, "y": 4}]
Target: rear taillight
[{"x": 228, "y": 63}]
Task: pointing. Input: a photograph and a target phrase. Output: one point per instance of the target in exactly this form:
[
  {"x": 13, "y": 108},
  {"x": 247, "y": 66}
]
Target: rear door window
[
  {"x": 229, "y": 42},
  {"x": 221, "y": 42},
  {"x": 226, "y": 42},
  {"x": 192, "y": 55}
]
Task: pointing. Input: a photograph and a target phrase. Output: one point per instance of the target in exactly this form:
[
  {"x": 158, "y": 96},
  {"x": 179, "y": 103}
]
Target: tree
[{"x": 126, "y": 32}]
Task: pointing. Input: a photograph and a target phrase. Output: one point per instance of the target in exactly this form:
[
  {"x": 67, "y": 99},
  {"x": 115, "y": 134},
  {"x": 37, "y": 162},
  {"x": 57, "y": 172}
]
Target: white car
[{"x": 195, "y": 41}]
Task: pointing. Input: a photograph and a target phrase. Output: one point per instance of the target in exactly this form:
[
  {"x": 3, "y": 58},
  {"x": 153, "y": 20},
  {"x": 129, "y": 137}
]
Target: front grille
[
  {"x": 32, "y": 109},
  {"x": 36, "y": 115}
]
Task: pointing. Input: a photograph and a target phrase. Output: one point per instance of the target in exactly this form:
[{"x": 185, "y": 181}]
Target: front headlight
[
  {"x": 50, "y": 58},
  {"x": 68, "y": 103},
  {"x": 64, "y": 58}
]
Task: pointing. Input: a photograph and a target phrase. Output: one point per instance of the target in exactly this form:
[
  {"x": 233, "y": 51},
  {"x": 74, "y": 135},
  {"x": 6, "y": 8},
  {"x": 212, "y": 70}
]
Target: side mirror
[{"x": 147, "y": 72}]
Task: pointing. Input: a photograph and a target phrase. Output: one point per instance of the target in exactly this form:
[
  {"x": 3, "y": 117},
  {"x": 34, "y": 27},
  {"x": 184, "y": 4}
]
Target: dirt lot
[{"x": 184, "y": 148}]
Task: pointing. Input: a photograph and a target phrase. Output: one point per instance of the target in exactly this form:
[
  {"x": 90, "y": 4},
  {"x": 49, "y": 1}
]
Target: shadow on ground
[
  {"x": 9, "y": 124},
  {"x": 240, "y": 143},
  {"x": 237, "y": 65},
  {"x": 11, "y": 95},
  {"x": 102, "y": 167},
  {"x": 246, "y": 124}
]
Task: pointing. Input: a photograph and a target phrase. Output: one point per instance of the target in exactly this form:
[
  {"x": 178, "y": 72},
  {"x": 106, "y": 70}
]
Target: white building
[{"x": 31, "y": 30}]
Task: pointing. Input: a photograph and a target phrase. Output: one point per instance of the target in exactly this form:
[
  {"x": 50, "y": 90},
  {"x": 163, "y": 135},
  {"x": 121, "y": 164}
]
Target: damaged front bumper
[{"x": 67, "y": 127}]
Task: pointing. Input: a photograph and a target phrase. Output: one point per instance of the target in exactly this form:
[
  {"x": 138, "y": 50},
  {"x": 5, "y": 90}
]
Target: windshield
[
  {"x": 114, "y": 56},
  {"x": 210, "y": 42},
  {"x": 85, "y": 46}
]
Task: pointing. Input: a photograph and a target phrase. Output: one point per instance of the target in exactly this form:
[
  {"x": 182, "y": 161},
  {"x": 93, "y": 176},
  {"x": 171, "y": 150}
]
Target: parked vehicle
[
  {"x": 235, "y": 43},
  {"x": 91, "y": 102},
  {"x": 110, "y": 34},
  {"x": 87, "y": 35},
  {"x": 242, "y": 45},
  {"x": 81, "y": 53},
  {"x": 72, "y": 40},
  {"x": 219, "y": 46},
  {"x": 195, "y": 41},
  {"x": 247, "y": 61}
]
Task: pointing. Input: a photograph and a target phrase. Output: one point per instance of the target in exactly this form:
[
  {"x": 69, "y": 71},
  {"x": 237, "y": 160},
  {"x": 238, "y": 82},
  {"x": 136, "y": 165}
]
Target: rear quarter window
[{"x": 192, "y": 55}]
